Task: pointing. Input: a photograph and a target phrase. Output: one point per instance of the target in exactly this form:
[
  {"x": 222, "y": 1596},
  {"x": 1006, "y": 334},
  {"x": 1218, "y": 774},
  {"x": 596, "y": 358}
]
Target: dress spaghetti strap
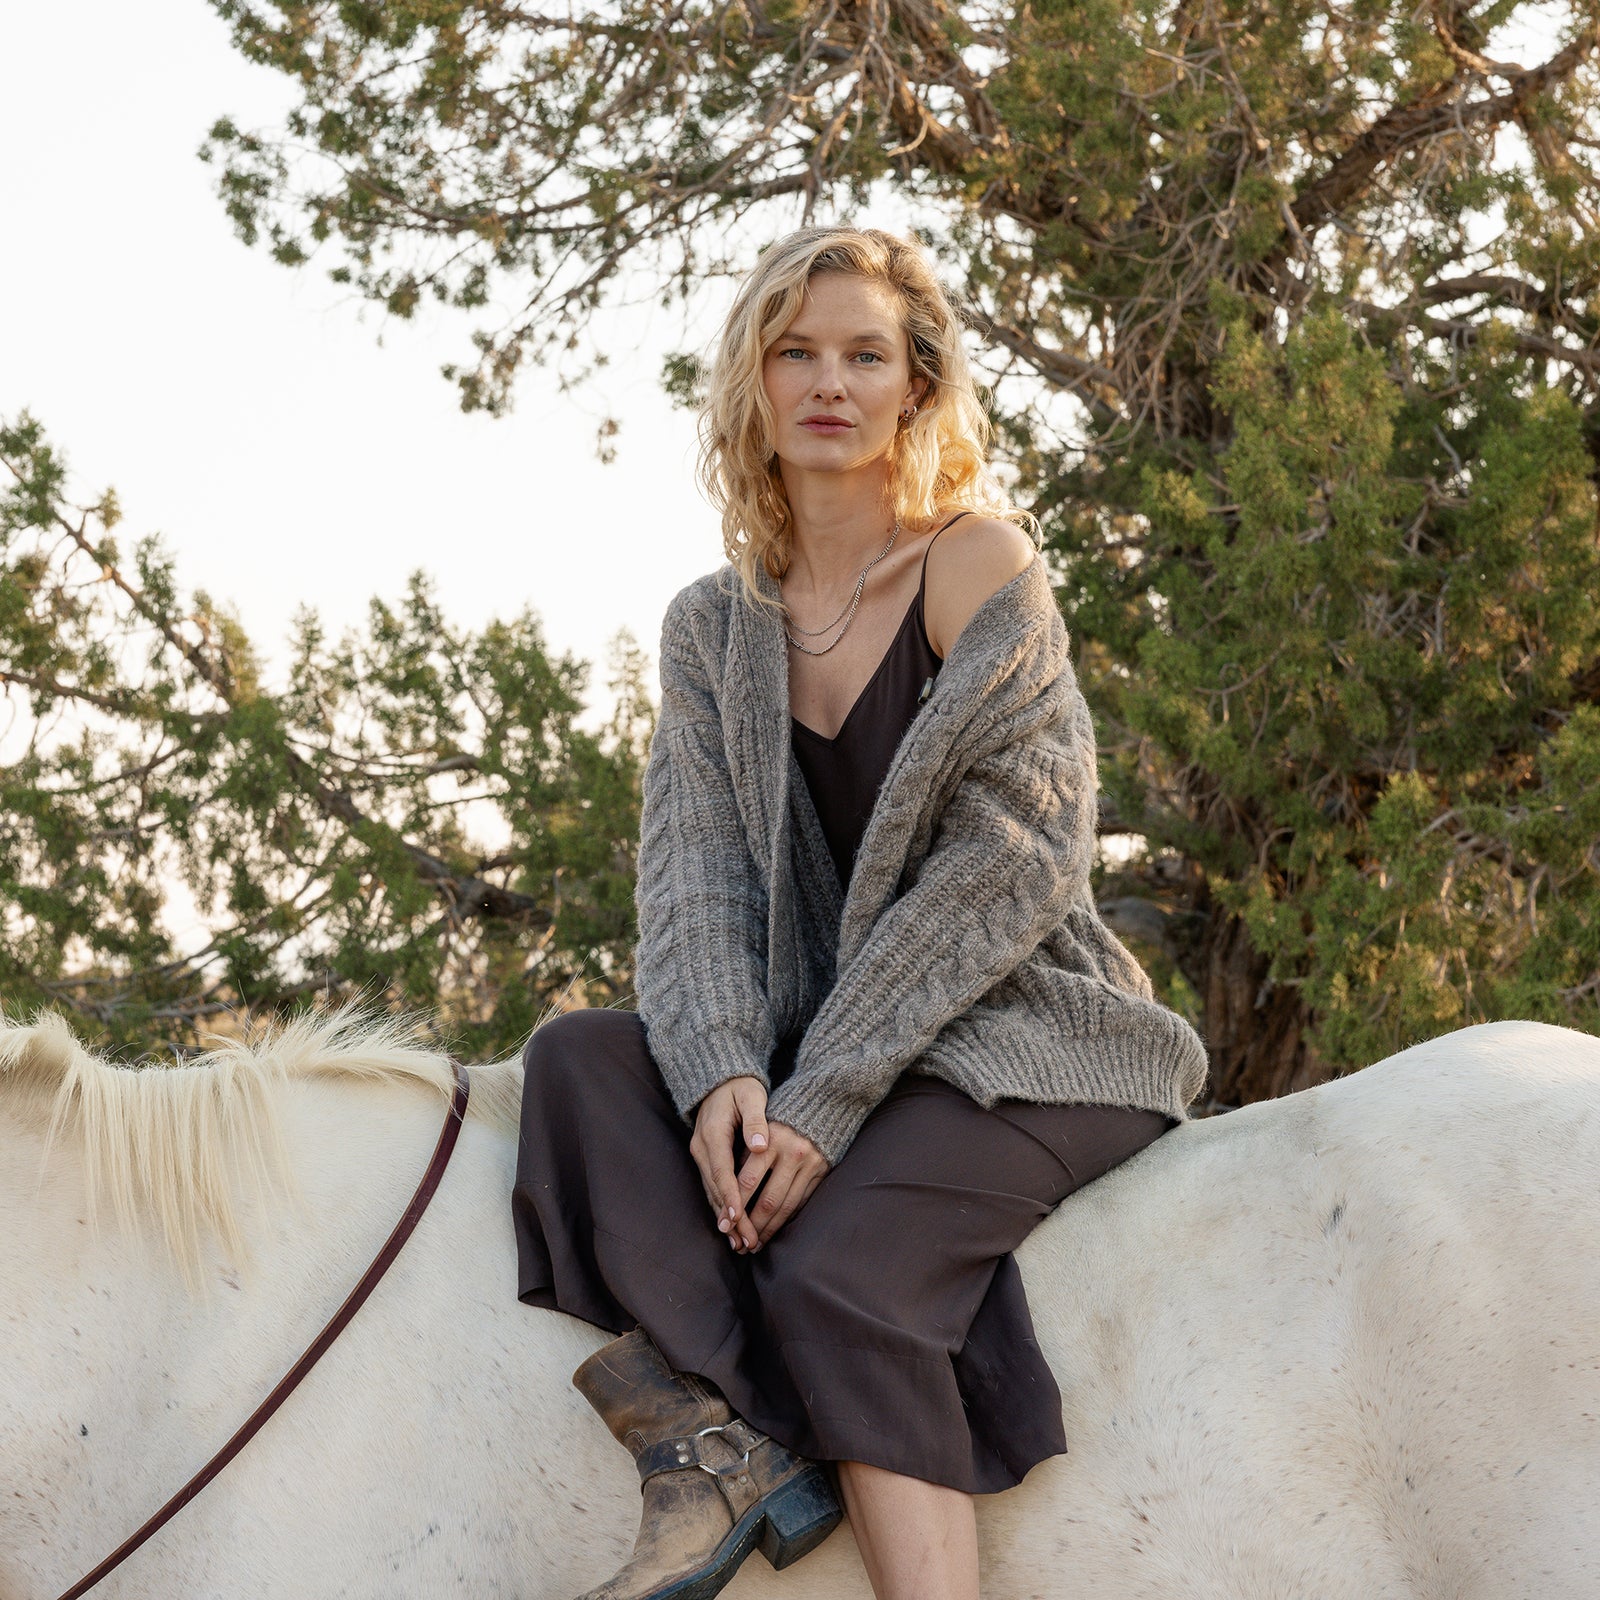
[{"x": 923, "y": 585}]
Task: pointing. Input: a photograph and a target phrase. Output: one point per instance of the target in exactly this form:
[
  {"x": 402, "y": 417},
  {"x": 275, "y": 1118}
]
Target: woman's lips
[{"x": 827, "y": 427}]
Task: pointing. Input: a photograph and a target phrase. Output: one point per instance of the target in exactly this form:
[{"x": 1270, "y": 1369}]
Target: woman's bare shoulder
[{"x": 967, "y": 564}]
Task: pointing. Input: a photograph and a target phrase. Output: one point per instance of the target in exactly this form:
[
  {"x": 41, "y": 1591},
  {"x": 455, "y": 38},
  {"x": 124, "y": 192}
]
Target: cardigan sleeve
[
  {"x": 1011, "y": 853},
  {"x": 700, "y": 963}
]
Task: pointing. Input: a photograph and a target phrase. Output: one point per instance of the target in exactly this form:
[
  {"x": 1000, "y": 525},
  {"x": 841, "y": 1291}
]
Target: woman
[{"x": 881, "y": 1029}]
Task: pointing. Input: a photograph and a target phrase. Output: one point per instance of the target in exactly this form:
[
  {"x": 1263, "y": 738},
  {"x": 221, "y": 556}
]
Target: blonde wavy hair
[{"x": 940, "y": 463}]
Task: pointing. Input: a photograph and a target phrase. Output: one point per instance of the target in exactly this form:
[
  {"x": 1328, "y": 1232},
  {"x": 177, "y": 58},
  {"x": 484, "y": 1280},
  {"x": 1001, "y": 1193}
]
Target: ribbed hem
[
  {"x": 1139, "y": 1055},
  {"x": 692, "y": 1068},
  {"x": 1131, "y": 1052}
]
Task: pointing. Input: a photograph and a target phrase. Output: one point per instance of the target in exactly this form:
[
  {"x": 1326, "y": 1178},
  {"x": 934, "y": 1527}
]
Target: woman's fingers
[
  {"x": 797, "y": 1168},
  {"x": 723, "y": 1114},
  {"x": 749, "y": 1107},
  {"x": 743, "y": 1235},
  {"x": 768, "y": 1209},
  {"x": 751, "y": 1100},
  {"x": 749, "y": 1110},
  {"x": 803, "y": 1192},
  {"x": 755, "y": 1168},
  {"x": 712, "y": 1149},
  {"x": 724, "y": 1180},
  {"x": 795, "y": 1196}
]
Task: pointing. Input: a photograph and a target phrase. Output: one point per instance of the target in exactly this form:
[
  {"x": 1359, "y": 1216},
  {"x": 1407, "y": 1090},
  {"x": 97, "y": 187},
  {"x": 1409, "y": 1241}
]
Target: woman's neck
[{"x": 841, "y": 522}]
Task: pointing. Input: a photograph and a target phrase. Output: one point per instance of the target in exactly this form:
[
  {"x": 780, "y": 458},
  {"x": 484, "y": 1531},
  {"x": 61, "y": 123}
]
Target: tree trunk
[{"x": 1255, "y": 1030}]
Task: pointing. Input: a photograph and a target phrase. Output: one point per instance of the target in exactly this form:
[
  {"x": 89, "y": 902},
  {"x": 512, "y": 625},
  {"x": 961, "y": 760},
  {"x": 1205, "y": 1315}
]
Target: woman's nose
[{"x": 829, "y": 385}]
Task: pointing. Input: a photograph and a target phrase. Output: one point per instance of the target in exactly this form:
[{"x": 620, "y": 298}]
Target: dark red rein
[{"x": 314, "y": 1351}]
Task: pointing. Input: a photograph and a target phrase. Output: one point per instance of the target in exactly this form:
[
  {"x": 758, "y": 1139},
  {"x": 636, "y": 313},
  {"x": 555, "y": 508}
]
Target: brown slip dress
[{"x": 886, "y": 1322}]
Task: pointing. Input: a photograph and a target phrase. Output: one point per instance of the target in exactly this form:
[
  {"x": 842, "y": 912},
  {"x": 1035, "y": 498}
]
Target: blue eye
[{"x": 795, "y": 350}]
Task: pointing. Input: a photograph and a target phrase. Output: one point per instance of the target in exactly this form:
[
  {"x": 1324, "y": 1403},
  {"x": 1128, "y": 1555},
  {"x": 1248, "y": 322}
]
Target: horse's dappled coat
[{"x": 1341, "y": 1345}]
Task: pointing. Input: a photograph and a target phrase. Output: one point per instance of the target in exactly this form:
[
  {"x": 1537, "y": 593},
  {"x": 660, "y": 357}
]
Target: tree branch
[{"x": 1402, "y": 128}]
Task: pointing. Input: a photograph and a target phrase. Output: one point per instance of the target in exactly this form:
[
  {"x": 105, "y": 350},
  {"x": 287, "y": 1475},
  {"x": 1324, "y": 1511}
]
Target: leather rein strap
[{"x": 314, "y": 1351}]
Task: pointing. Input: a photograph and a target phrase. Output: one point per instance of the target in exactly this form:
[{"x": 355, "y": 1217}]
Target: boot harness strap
[{"x": 728, "y": 1463}]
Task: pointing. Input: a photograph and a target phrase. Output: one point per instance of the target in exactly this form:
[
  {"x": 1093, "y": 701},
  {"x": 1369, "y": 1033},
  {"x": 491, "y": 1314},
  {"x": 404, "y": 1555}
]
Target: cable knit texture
[{"x": 968, "y": 945}]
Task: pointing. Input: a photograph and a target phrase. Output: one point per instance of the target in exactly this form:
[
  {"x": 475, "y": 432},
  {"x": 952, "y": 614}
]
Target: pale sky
[
  {"x": 250, "y": 414},
  {"x": 290, "y": 443}
]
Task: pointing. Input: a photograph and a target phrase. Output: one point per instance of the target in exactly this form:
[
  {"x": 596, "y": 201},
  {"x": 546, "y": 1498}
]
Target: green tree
[
  {"x": 331, "y": 834},
  {"x": 1295, "y": 313}
]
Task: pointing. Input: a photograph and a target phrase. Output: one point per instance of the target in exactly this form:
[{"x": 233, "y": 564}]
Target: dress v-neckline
[{"x": 877, "y": 672}]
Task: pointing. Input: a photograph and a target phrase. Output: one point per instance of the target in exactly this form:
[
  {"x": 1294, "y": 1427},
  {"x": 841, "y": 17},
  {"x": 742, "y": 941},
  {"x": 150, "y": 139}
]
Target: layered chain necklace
[{"x": 849, "y": 611}]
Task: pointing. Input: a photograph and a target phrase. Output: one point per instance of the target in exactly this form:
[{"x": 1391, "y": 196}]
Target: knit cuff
[
  {"x": 693, "y": 1067},
  {"x": 815, "y": 1104}
]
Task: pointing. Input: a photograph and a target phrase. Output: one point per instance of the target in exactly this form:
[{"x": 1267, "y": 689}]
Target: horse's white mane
[{"x": 175, "y": 1142}]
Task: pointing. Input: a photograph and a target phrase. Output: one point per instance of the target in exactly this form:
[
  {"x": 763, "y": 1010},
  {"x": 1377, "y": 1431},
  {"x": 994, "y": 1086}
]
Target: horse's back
[
  {"x": 1337, "y": 1345},
  {"x": 1342, "y": 1343}
]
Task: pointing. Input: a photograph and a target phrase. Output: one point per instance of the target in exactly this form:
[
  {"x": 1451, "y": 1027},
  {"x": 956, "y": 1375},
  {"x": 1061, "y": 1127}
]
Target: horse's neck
[
  {"x": 121, "y": 1380},
  {"x": 93, "y": 1320}
]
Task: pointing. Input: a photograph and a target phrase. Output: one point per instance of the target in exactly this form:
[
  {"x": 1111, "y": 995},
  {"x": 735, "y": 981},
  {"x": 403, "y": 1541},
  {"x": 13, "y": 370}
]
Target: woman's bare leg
[{"x": 918, "y": 1540}]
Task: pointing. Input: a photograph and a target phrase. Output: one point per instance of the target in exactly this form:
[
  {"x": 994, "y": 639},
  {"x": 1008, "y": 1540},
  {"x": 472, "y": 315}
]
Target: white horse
[{"x": 1343, "y": 1346}]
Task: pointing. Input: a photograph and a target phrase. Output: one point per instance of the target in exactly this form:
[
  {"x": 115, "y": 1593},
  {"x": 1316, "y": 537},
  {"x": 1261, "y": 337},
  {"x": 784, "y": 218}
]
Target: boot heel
[{"x": 799, "y": 1516}]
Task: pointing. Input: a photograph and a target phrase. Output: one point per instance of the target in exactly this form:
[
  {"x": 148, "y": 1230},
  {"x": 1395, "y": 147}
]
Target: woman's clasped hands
[{"x": 734, "y": 1114}]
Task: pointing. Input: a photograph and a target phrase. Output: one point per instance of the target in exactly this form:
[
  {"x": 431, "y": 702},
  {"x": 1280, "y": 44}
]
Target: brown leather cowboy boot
[{"x": 713, "y": 1487}]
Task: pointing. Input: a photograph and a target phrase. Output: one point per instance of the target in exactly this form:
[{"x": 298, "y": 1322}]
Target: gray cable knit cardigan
[{"x": 968, "y": 945}]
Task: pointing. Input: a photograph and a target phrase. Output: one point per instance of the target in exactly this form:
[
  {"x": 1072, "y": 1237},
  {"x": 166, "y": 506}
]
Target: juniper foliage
[
  {"x": 1291, "y": 314},
  {"x": 415, "y": 817}
]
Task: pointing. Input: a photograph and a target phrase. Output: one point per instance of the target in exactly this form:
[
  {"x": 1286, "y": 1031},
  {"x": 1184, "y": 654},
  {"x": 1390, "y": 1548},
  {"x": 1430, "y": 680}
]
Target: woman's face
[{"x": 843, "y": 357}]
